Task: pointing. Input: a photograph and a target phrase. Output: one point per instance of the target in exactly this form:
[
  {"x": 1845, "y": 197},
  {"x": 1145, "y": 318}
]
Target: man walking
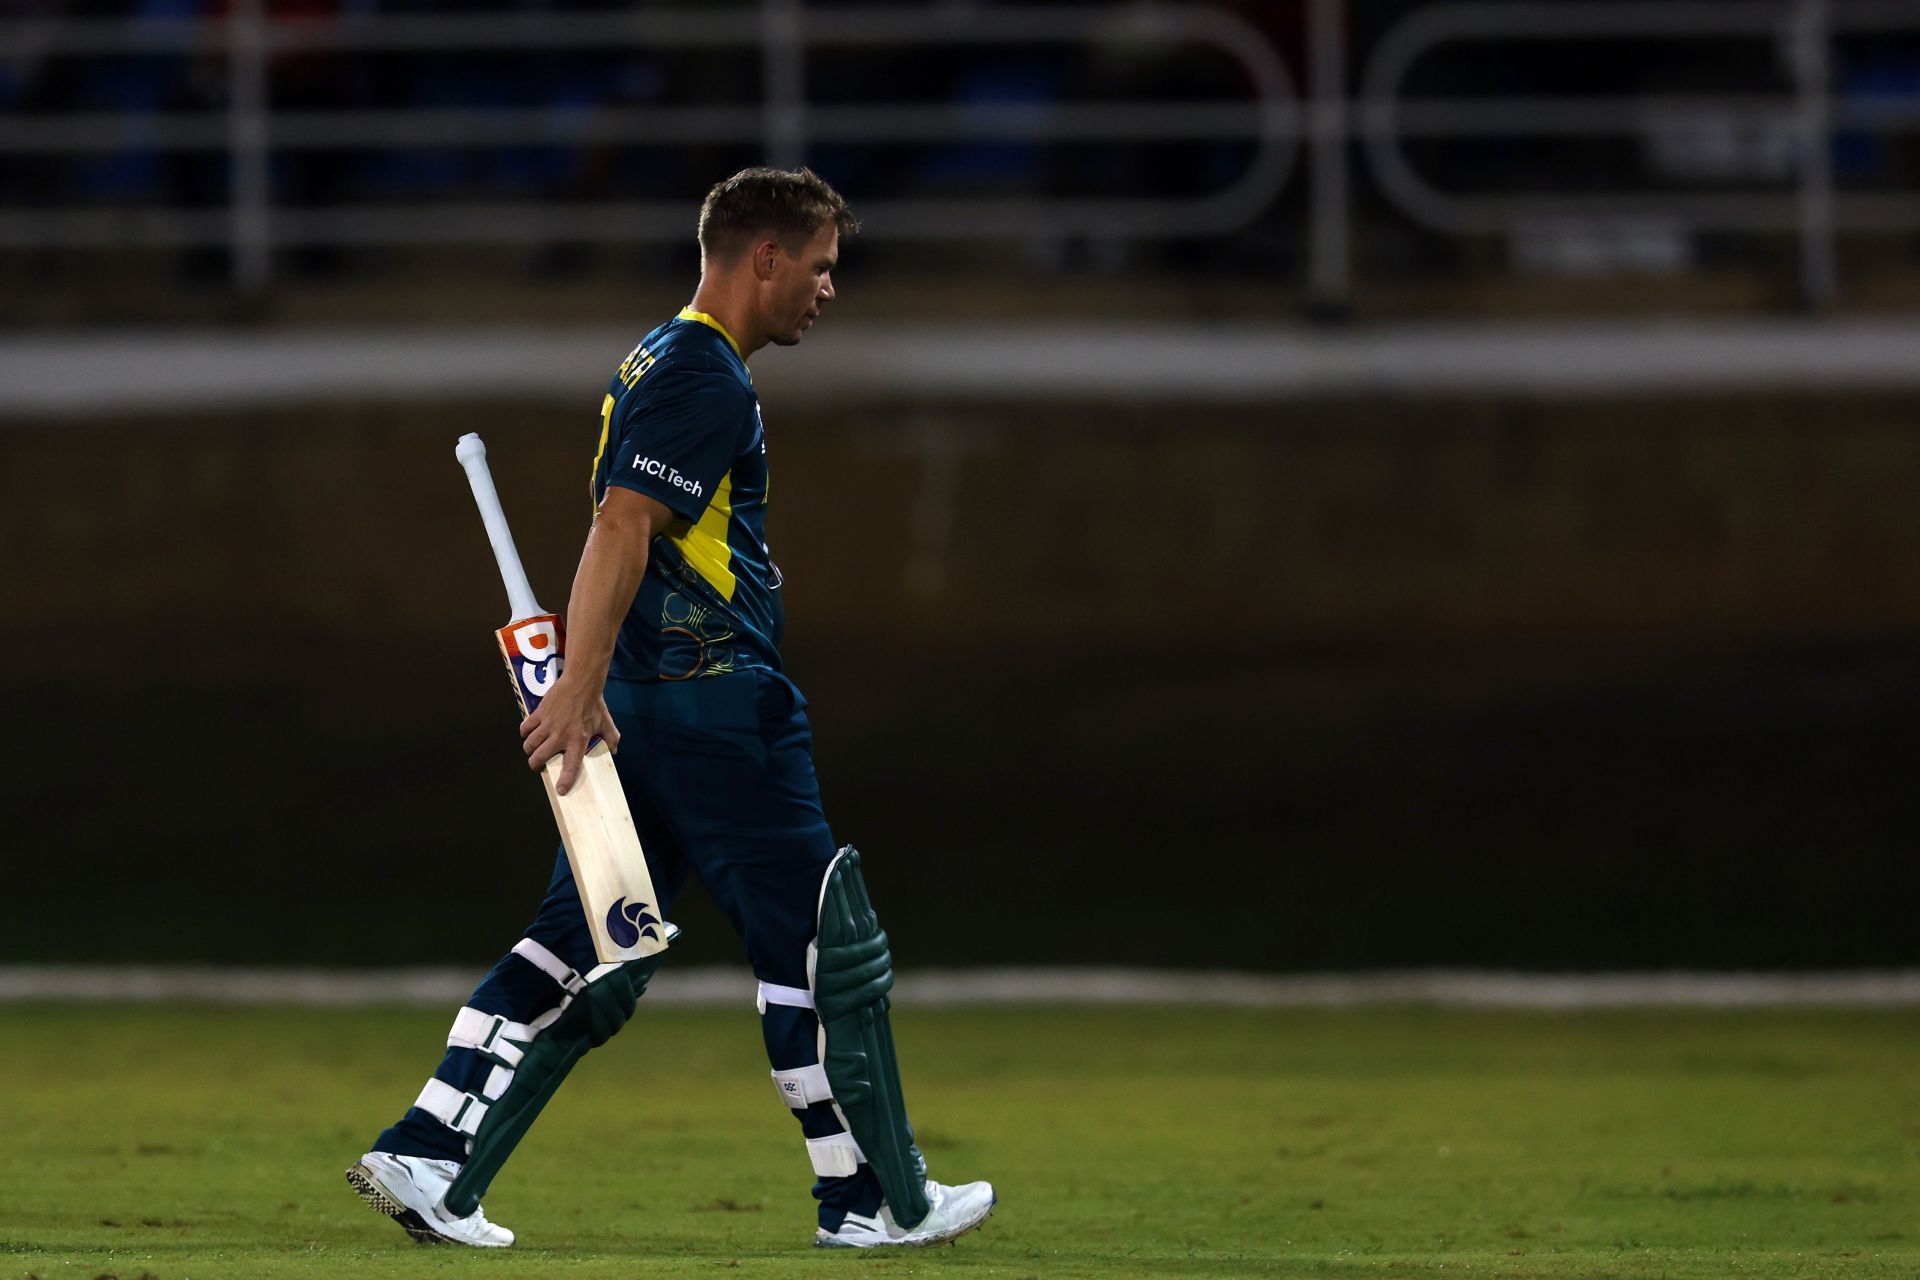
[{"x": 673, "y": 633}]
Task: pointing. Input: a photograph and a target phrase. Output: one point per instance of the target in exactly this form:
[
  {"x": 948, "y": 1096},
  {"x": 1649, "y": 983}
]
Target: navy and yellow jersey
[{"x": 681, "y": 424}]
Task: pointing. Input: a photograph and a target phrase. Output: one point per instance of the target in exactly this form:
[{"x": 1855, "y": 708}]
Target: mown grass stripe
[{"x": 1445, "y": 988}]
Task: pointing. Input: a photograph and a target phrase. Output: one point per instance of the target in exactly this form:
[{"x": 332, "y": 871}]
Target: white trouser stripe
[
  {"x": 838, "y": 1156},
  {"x": 491, "y": 1034},
  {"x": 792, "y": 997},
  {"x": 461, "y": 1112},
  {"x": 801, "y": 1087},
  {"x": 548, "y": 963}
]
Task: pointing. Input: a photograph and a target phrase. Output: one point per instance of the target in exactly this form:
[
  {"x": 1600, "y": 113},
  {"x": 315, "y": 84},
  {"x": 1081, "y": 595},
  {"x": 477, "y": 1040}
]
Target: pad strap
[
  {"x": 792, "y": 997},
  {"x": 497, "y": 1081},
  {"x": 801, "y": 1087},
  {"x": 460, "y": 1112},
  {"x": 550, "y": 964},
  {"x": 491, "y": 1035},
  {"x": 838, "y": 1156}
]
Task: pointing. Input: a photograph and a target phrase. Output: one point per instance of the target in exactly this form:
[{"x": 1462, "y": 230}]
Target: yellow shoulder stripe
[{"x": 704, "y": 545}]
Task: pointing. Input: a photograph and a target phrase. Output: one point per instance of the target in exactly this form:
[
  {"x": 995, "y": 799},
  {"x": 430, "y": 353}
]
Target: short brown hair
[{"x": 792, "y": 205}]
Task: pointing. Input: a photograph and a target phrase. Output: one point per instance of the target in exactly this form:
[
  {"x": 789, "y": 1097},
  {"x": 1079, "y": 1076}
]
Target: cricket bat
[{"x": 595, "y": 825}]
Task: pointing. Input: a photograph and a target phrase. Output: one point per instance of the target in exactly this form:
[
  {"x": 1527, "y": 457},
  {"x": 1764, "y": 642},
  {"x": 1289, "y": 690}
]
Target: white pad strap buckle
[
  {"x": 460, "y": 1112},
  {"x": 801, "y": 1087},
  {"x": 792, "y": 997},
  {"x": 550, "y": 964},
  {"x": 491, "y": 1035},
  {"x": 838, "y": 1156}
]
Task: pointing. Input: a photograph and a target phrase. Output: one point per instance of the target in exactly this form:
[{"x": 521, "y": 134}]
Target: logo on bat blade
[
  {"x": 536, "y": 639},
  {"x": 626, "y": 925},
  {"x": 539, "y": 677},
  {"x": 532, "y": 647}
]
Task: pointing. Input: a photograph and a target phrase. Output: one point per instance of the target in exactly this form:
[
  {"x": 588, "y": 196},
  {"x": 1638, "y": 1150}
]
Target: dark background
[
  {"x": 1473, "y": 681},
  {"x": 1554, "y": 679}
]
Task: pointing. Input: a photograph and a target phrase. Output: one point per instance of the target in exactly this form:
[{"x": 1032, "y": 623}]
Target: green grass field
[{"x": 189, "y": 1143}]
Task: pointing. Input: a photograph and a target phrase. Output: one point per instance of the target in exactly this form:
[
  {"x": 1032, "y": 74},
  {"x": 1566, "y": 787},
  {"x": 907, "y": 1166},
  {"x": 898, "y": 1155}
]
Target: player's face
[{"x": 802, "y": 285}]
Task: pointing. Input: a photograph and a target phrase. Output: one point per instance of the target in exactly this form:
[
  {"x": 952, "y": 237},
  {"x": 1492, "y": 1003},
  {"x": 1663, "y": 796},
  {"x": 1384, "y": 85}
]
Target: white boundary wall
[
  {"x": 1447, "y": 988},
  {"x": 75, "y": 375}
]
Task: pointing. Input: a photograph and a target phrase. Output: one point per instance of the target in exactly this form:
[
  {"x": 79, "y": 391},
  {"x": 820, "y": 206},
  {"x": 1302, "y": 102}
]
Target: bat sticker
[{"x": 533, "y": 648}]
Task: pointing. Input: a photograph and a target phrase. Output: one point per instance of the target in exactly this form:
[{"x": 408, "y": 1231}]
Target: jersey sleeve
[{"x": 679, "y": 432}]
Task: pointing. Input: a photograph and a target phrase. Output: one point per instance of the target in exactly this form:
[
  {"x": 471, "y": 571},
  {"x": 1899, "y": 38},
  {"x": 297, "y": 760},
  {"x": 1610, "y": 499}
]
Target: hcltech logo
[
  {"x": 660, "y": 470},
  {"x": 626, "y": 925}
]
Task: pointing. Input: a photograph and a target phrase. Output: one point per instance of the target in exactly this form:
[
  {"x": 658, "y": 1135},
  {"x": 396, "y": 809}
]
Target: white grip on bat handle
[{"x": 472, "y": 456}]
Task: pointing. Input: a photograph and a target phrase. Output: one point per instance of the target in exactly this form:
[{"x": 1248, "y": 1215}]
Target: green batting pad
[
  {"x": 591, "y": 1019},
  {"x": 852, "y": 974}
]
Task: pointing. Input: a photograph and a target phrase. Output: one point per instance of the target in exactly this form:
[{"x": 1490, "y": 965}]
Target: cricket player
[{"x": 673, "y": 633}]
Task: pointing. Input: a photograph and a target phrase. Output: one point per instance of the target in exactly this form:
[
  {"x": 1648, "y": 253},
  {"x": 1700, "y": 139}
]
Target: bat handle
[{"x": 472, "y": 456}]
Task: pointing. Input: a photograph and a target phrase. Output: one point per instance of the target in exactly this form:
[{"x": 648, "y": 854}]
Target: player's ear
[{"x": 766, "y": 259}]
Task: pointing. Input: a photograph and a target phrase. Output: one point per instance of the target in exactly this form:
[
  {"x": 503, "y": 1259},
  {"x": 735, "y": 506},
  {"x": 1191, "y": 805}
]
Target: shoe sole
[
  {"x": 828, "y": 1242},
  {"x": 368, "y": 1188}
]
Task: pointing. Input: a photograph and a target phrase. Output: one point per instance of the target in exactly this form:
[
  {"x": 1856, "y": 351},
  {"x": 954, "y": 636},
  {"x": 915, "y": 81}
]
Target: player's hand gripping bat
[{"x": 595, "y": 826}]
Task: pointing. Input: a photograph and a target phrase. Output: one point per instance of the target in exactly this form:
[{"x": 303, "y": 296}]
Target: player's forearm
[{"x": 611, "y": 566}]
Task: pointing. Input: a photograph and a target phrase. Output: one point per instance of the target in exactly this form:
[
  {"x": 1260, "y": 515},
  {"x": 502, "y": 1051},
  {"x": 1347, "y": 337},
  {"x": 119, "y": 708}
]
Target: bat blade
[
  {"x": 596, "y": 827},
  {"x": 603, "y": 846},
  {"x": 608, "y": 867}
]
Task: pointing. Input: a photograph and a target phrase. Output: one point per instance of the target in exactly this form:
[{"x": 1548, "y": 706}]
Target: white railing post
[
  {"x": 783, "y": 71},
  {"x": 1810, "y": 52},
  {"x": 249, "y": 197},
  {"x": 1329, "y": 285}
]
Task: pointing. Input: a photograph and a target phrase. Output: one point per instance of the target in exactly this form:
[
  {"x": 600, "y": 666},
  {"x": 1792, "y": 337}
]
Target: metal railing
[
  {"x": 1270, "y": 116},
  {"x": 1804, "y": 30},
  {"x": 784, "y": 125}
]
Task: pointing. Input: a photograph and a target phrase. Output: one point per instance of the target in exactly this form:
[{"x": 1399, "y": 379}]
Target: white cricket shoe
[
  {"x": 409, "y": 1190},
  {"x": 956, "y": 1211}
]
